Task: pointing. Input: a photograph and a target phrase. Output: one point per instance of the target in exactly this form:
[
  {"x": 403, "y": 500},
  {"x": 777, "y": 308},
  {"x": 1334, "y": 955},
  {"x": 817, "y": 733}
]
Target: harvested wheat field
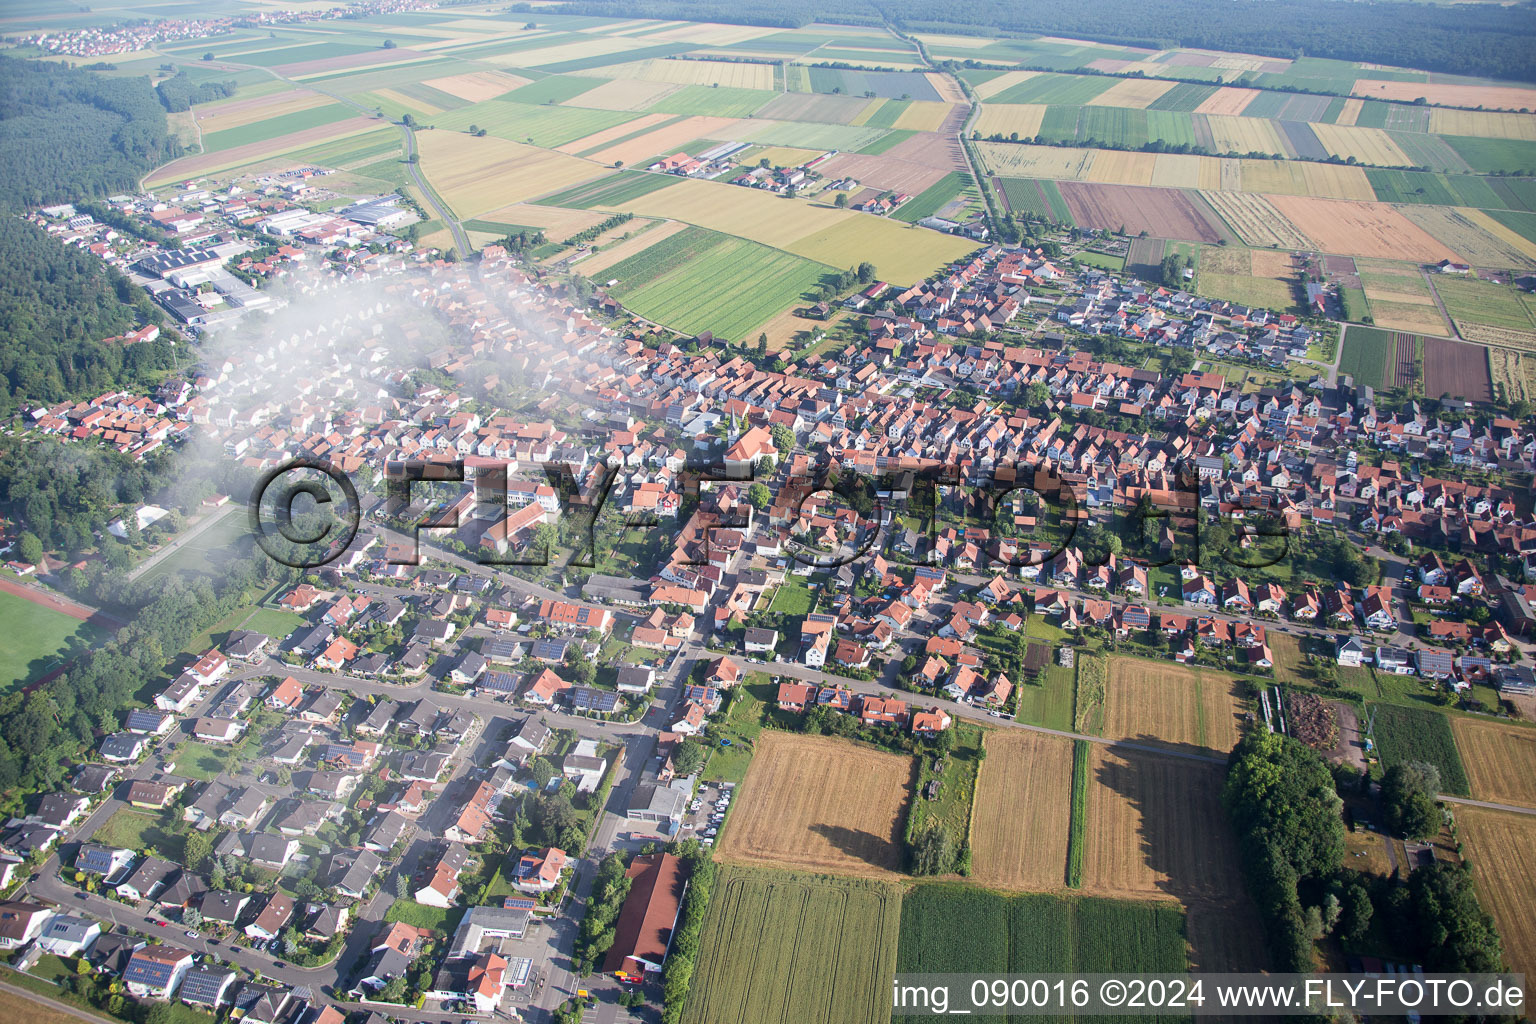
[
  {"x": 946, "y": 86},
  {"x": 624, "y": 94},
  {"x": 217, "y": 117},
  {"x": 922, "y": 116},
  {"x": 664, "y": 140},
  {"x": 1501, "y": 848},
  {"x": 1360, "y": 229},
  {"x": 1023, "y": 811},
  {"x": 478, "y": 86},
  {"x": 1002, "y": 83},
  {"x": 1227, "y": 100},
  {"x": 474, "y": 175},
  {"x": 1225, "y": 937},
  {"x": 1303, "y": 178},
  {"x": 1245, "y": 135},
  {"x": 1270, "y": 263},
  {"x": 1500, "y": 759},
  {"x": 1491, "y": 124},
  {"x": 1060, "y": 163},
  {"x": 1166, "y": 702},
  {"x": 1156, "y": 827},
  {"x": 1366, "y": 145},
  {"x": 1405, "y": 316},
  {"x": 1116, "y": 167},
  {"x": 1256, "y": 220},
  {"x": 1494, "y": 97},
  {"x": 594, "y": 265},
  {"x": 557, "y": 222},
  {"x": 1514, "y": 239},
  {"x": 1137, "y": 93},
  {"x": 820, "y": 803},
  {"x": 1006, "y": 119},
  {"x": 602, "y": 138},
  {"x": 1468, "y": 238},
  {"x": 1182, "y": 170},
  {"x": 1350, "y": 112}
]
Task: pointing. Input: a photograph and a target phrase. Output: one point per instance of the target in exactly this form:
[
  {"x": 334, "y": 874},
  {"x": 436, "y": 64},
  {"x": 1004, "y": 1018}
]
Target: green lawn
[
  {"x": 206, "y": 552},
  {"x": 792, "y": 599},
  {"x": 205, "y": 761},
  {"x": 1048, "y": 703},
  {"x": 133, "y": 829},
  {"x": 1102, "y": 260},
  {"x": 422, "y": 916},
  {"x": 274, "y": 623},
  {"x": 35, "y": 640},
  {"x": 741, "y": 725}
]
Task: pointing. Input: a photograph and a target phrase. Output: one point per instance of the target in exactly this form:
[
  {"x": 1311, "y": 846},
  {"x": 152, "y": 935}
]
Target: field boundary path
[
  {"x": 1488, "y": 804},
  {"x": 440, "y": 208},
  {"x": 54, "y": 1004},
  {"x": 1440, "y": 305}
]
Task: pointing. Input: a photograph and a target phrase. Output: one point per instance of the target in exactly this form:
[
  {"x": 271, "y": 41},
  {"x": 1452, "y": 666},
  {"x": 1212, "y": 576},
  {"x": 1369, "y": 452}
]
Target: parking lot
[{"x": 707, "y": 810}]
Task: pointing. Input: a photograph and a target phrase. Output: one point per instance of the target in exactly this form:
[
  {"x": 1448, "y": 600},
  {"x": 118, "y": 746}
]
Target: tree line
[
  {"x": 178, "y": 93},
  {"x": 1284, "y": 804}
]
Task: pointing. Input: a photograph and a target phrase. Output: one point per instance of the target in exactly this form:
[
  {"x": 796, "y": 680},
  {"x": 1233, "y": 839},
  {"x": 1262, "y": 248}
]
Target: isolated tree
[
  {"x": 783, "y": 439},
  {"x": 841, "y": 200},
  {"x": 389, "y": 44},
  {"x": 208, "y": 55},
  {"x": 760, "y": 496},
  {"x": 866, "y": 272}
]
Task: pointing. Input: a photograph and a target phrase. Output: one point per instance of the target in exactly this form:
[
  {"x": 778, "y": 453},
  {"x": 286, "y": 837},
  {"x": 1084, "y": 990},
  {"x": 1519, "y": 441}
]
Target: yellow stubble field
[
  {"x": 1502, "y": 847},
  {"x": 1360, "y": 229},
  {"x": 1227, "y": 100},
  {"x": 1493, "y": 97},
  {"x": 236, "y": 113},
  {"x": 1366, "y": 145},
  {"x": 726, "y": 74},
  {"x": 474, "y": 175},
  {"x": 1493, "y": 124},
  {"x": 1002, "y": 83},
  {"x": 1122, "y": 167},
  {"x": 1245, "y": 135},
  {"x": 663, "y": 140},
  {"x": 1138, "y": 93},
  {"x": 1500, "y": 759},
  {"x": 1023, "y": 811},
  {"x": 478, "y": 86},
  {"x": 822, "y": 804},
  {"x": 1007, "y": 119},
  {"x": 923, "y": 116},
  {"x": 1165, "y": 702},
  {"x": 624, "y": 94}
]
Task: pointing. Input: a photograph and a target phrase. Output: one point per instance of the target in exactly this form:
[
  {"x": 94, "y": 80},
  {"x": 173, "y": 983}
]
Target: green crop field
[
  {"x": 1492, "y": 155},
  {"x": 546, "y": 126},
  {"x": 35, "y": 639},
  {"x": 1049, "y": 702},
  {"x": 947, "y": 928},
  {"x": 892, "y": 138},
  {"x": 1524, "y": 223},
  {"x": 713, "y": 282},
  {"x": 1115, "y": 126},
  {"x": 1078, "y": 837},
  {"x": 614, "y": 190},
  {"x": 1437, "y": 189},
  {"x": 1060, "y": 124},
  {"x": 299, "y": 54},
  {"x": 1184, "y": 97},
  {"x": 1174, "y": 127},
  {"x": 1416, "y": 734},
  {"x": 1432, "y": 151},
  {"x": 889, "y": 111},
  {"x": 554, "y": 89},
  {"x": 261, "y": 131},
  {"x": 1365, "y": 355},
  {"x": 928, "y": 202},
  {"x": 368, "y": 146},
  {"x": 779, "y": 946},
  {"x": 1050, "y": 88},
  {"x": 1469, "y": 300},
  {"x": 703, "y": 99},
  {"x": 1038, "y": 197}
]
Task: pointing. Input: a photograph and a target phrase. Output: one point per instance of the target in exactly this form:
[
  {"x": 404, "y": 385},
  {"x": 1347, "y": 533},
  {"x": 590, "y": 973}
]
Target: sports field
[
  {"x": 778, "y": 946},
  {"x": 1022, "y": 812},
  {"x": 820, "y": 804},
  {"x": 34, "y": 639}
]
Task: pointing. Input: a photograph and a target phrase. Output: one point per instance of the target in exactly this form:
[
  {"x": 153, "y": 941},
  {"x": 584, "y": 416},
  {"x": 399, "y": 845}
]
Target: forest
[
  {"x": 178, "y": 93},
  {"x": 1467, "y": 39},
  {"x": 68, "y": 135}
]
